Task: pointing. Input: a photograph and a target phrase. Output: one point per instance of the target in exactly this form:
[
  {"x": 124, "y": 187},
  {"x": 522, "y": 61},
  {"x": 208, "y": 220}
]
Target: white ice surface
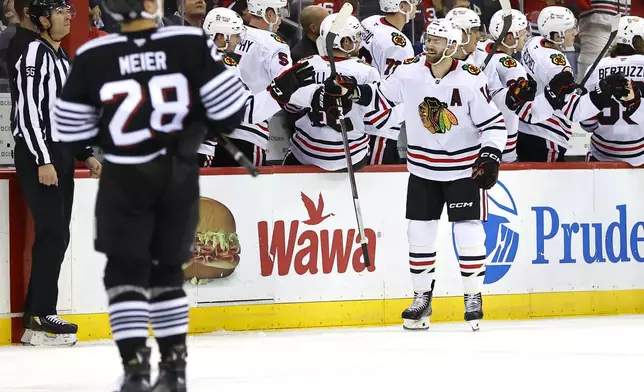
[{"x": 589, "y": 354}]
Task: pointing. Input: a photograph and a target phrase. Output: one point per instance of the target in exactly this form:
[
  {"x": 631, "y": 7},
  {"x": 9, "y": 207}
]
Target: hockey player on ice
[
  {"x": 317, "y": 139},
  {"x": 617, "y": 132},
  {"x": 455, "y": 137},
  {"x": 264, "y": 55},
  {"x": 386, "y": 47},
  {"x": 544, "y": 61},
  {"x": 227, "y": 30}
]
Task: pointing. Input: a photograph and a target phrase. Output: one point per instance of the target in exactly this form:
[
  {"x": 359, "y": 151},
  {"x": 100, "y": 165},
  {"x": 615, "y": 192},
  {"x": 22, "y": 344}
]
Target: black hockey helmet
[
  {"x": 38, "y": 8},
  {"x": 124, "y": 10}
]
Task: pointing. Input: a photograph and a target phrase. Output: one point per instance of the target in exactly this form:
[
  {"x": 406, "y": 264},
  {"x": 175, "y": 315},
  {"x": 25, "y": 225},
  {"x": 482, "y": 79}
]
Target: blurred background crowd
[{"x": 591, "y": 15}]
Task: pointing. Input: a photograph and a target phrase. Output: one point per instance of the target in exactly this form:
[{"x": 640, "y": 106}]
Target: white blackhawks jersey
[
  {"x": 504, "y": 70},
  {"x": 617, "y": 136},
  {"x": 386, "y": 48},
  {"x": 314, "y": 142},
  {"x": 542, "y": 64},
  {"x": 263, "y": 56},
  {"x": 260, "y": 107},
  {"x": 447, "y": 121}
]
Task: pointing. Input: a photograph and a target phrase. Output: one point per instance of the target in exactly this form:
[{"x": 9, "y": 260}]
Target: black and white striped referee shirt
[
  {"x": 135, "y": 94},
  {"x": 42, "y": 71}
]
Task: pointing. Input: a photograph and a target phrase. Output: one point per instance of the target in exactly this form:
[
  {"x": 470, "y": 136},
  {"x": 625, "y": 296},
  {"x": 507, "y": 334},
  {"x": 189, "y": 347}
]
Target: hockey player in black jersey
[{"x": 144, "y": 101}]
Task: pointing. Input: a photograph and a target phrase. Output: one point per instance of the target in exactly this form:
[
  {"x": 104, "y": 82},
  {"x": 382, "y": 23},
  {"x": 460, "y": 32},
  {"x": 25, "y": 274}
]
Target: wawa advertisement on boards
[
  {"x": 293, "y": 238},
  {"x": 288, "y": 238}
]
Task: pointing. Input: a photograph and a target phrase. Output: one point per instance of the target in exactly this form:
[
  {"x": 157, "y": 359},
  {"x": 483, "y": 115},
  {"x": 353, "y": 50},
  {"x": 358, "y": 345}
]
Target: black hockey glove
[
  {"x": 613, "y": 85},
  {"x": 519, "y": 92},
  {"x": 342, "y": 86},
  {"x": 561, "y": 85},
  {"x": 486, "y": 168},
  {"x": 300, "y": 75},
  {"x": 632, "y": 101},
  {"x": 325, "y": 111}
]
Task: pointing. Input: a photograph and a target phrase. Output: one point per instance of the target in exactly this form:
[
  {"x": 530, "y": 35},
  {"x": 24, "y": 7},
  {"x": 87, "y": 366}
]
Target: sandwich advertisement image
[{"x": 216, "y": 248}]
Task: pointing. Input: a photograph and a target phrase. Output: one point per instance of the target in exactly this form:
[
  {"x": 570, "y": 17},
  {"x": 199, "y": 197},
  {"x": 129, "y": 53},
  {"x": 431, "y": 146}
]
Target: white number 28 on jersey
[{"x": 167, "y": 116}]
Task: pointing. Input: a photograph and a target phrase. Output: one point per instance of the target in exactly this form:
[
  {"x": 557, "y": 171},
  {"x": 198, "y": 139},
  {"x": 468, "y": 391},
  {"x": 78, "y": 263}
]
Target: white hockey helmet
[
  {"x": 629, "y": 28},
  {"x": 393, "y": 6},
  {"x": 259, "y": 7},
  {"x": 519, "y": 23},
  {"x": 224, "y": 21},
  {"x": 445, "y": 29},
  {"x": 555, "y": 19},
  {"x": 352, "y": 30},
  {"x": 465, "y": 19}
]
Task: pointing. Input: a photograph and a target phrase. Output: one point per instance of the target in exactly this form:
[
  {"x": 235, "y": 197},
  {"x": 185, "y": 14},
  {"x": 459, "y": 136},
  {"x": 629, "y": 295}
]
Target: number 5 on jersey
[{"x": 167, "y": 116}]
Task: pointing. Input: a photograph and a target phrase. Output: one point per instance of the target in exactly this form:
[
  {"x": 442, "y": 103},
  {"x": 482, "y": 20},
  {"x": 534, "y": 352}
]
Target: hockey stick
[
  {"x": 340, "y": 20},
  {"x": 507, "y": 23},
  {"x": 611, "y": 38},
  {"x": 238, "y": 155}
]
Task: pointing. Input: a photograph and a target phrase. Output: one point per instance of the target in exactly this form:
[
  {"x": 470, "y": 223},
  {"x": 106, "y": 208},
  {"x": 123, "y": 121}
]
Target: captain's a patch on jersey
[
  {"x": 558, "y": 59},
  {"x": 278, "y": 38},
  {"x": 398, "y": 39},
  {"x": 229, "y": 61},
  {"x": 508, "y": 62},
  {"x": 435, "y": 115},
  {"x": 471, "y": 68},
  {"x": 412, "y": 60}
]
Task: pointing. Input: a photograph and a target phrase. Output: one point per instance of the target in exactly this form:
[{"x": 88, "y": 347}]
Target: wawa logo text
[{"x": 309, "y": 246}]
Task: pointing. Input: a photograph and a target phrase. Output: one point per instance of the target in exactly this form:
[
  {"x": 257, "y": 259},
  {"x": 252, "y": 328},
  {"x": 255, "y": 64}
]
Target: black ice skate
[
  {"x": 49, "y": 331},
  {"x": 136, "y": 376},
  {"x": 416, "y": 317},
  {"x": 172, "y": 372},
  {"x": 473, "y": 310}
]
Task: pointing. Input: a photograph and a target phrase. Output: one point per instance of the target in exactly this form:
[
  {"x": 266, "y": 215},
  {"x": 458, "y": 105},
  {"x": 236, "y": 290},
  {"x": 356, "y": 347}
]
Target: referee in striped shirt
[{"x": 45, "y": 167}]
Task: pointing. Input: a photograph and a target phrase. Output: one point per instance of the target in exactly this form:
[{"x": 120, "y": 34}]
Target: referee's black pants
[{"x": 51, "y": 209}]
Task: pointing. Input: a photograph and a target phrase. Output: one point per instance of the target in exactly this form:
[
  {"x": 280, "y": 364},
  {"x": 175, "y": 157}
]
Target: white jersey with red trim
[
  {"x": 501, "y": 71},
  {"x": 314, "y": 142},
  {"x": 542, "y": 64},
  {"x": 617, "y": 136},
  {"x": 262, "y": 57},
  {"x": 447, "y": 121},
  {"x": 383, "y": 45},
  {"x": 386, "y": 48},
  {"x": 260, "y": 107}
]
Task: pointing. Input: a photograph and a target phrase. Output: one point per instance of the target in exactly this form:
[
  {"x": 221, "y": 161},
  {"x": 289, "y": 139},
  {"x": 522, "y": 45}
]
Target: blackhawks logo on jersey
[
  {"x": 435, "y": 115},
  {"x": 412, "y": 60},
  {"x": 278, "y": 38},
  {"x": 508, "y": 62},
  {"x": 558, "y": 59},
  {"x": 230, "y": 61},
  {"x": 471, "y": 68},
  {"x": 398, "y": 39}
]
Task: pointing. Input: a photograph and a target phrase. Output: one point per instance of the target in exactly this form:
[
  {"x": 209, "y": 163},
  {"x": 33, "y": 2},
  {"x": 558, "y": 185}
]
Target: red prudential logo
[{"x": 303, "y": 247}]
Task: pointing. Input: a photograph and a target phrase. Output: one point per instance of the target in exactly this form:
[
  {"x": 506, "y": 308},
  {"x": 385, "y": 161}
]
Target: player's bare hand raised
[
  {"x": 47, "y": 175},
  {"x": 94, "y": 167}
]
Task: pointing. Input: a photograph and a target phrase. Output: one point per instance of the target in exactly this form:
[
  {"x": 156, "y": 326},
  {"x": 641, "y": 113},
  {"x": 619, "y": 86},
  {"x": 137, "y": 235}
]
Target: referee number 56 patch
[{"x": 31, "y": 72}]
